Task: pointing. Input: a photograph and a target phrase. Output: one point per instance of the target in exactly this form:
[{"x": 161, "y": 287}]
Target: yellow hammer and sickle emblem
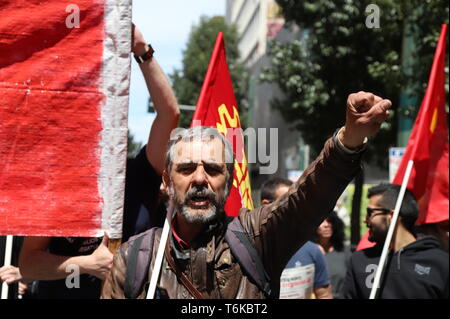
[{"x": 242, "y": 180}]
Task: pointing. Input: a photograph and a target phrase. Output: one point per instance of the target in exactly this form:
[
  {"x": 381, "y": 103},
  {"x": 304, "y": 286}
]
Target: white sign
[
  {"x": 297, "y": 283},
  {"x": 395, "y": 157}
]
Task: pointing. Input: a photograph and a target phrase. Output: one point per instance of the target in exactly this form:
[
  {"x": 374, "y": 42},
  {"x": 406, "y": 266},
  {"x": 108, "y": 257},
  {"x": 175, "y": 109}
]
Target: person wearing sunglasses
[{"x": 416, "y": 267}]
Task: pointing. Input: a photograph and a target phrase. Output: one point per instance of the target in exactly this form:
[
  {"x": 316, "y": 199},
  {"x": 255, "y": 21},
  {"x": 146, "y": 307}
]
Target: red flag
[
  {"x": 428, "y": 147},
  {"x": 217, "y": 107},
  {"x": 429, "y": 176}
]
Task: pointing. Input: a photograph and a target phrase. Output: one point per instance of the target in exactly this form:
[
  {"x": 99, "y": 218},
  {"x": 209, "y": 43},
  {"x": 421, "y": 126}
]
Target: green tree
[
  {"x": 188, "y": 80},
  {"x": 336, "y": 54}
]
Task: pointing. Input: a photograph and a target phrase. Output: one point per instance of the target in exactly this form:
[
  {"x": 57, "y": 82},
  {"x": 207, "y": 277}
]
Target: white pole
[
  {"x": 160, "y": 255},
  {"x": 387, "y": 242},
  {"x": 8, "y": 253}
]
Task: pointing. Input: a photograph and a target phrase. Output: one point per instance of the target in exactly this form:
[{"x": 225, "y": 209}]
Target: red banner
[
  {"x": 217, "y": 107},
  {"x": 54, "y": 116}
]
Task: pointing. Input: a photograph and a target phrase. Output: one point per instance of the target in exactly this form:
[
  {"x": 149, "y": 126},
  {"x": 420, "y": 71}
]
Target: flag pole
[
  {"x": 114, "y": 244},
  {"x": 390, "y": 233},
  {"x": 8, "y": 253},
  {"x": 160, "y": 254}
]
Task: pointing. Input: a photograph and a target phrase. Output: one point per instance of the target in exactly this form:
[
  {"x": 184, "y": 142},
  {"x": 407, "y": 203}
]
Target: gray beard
[
  {"x": 198, "y": 219},
  {"x": 215, "y": 212}
]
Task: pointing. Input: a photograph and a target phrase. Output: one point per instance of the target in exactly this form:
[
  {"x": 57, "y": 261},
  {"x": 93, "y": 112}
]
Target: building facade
[{"x": 257, "y": 22}]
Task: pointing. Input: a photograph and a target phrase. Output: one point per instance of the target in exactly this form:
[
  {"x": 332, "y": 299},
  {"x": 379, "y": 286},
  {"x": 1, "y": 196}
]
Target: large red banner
[{"x": 53, "y": 112}]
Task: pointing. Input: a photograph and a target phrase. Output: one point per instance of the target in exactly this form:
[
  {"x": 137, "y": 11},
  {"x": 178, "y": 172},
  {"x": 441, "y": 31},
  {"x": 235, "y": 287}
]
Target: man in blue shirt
[{"x": 313, "y": 277}]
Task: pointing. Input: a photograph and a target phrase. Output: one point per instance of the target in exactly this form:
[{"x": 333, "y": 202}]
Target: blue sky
[{"x": 166, "y": 25}]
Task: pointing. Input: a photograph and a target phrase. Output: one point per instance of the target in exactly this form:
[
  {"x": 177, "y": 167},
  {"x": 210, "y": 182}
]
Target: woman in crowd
[{"x": 330, "y": 238}]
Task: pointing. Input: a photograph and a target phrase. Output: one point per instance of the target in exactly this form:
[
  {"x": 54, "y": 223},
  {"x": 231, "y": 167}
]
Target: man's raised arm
[
  {"x": 281, "y": 227},
  {"x": 164, "y": 101}
]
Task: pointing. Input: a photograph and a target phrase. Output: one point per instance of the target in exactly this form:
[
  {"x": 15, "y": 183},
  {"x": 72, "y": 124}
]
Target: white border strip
[{"x": 114, "y": 113}]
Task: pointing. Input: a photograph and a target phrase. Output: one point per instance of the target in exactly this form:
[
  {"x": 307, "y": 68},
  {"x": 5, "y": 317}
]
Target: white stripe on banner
[{"x": 115, "y": 86}]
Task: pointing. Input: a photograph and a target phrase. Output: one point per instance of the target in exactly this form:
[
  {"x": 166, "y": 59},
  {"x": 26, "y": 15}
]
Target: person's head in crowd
[
  {"x": 330, "y": 232},
  {"x": 198, "y": 174},
  {"x": 274, "y": 188},
  {"x": 380, "y": 209}
]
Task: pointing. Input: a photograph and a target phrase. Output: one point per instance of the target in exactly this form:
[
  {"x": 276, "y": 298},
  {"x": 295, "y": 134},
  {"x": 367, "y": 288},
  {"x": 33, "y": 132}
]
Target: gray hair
[{"x": 204, "y": 133}]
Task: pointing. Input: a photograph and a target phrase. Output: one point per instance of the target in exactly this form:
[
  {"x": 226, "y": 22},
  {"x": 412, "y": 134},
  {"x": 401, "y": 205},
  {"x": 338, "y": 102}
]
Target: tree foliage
[
  {"x": 336, "y": 54},
  {"x": 188, "y": 80}
]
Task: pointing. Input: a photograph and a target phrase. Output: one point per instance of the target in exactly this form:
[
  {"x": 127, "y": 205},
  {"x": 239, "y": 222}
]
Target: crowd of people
[{"x": 189, "y": 176}]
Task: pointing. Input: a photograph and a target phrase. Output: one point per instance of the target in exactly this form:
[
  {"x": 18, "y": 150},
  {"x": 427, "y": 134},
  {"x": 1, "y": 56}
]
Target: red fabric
[
  {"x": 50, "y": 118},
  {"x": 428, "y": 147},
  {"x": 217, "y": 107},
  {"x": 364, "y": 242}
]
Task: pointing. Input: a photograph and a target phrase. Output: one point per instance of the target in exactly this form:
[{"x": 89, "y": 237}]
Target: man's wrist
[
  {"x": 350, "y": 142},
  {"x": 84, "y": 262},
  {"x": 353, "y": 147},
  {"x": 140, "y": 48},
  {"x": 147, "y": 54}
]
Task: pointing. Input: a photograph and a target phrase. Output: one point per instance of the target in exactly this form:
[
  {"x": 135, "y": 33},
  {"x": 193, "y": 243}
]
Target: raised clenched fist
[{"x": 365, "y": 114}]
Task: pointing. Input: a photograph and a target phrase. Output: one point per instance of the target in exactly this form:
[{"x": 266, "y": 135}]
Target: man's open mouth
[{"x": 199, "y": 201}]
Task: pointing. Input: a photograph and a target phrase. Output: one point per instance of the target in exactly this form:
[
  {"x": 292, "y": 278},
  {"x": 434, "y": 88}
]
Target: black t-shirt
[{"x": 142, "y": 185}]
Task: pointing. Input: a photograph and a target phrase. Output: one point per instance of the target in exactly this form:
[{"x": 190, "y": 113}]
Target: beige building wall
[{"x": 256, "y": 21}]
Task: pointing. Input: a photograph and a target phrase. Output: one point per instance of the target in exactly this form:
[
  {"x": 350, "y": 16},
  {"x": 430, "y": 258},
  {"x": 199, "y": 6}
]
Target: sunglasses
[{"x": 370, "y": 212}]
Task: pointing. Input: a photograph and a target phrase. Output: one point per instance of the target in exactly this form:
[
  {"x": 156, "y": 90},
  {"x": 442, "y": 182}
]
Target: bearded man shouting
[{"x": 199, "y": 262}]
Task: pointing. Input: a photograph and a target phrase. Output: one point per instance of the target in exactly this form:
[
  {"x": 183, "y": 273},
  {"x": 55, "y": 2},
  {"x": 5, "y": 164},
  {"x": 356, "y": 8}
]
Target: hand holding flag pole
[{"x": 8, "y": 253}]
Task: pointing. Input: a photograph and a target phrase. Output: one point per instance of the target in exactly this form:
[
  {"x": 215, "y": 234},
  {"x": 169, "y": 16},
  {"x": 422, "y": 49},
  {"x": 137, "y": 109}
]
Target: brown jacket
[{"x": 277, "y": 230}]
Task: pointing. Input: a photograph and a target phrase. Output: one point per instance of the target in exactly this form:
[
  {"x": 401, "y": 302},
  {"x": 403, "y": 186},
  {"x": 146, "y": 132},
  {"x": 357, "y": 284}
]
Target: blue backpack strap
[
  {"x": 138, "y": 262},
  {"x": 247, "y": 256}
]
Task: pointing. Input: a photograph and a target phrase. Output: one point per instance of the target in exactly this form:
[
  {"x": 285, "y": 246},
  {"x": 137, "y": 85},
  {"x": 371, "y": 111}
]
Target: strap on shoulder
[
  {"x": 138, "y": 262},
  {"x": 247, "y": 256}
]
